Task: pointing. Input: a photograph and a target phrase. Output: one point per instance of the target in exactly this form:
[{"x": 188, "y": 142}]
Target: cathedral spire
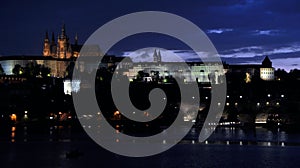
[
  {"x": 46, "y": 51},
  {"x": 46, "y": 36},
  {"x": 63, "y": 31},
  {"x": 159, "y": 56},
  {"x": 76, "y": 39},
  {"x": 155, "y": 57}
]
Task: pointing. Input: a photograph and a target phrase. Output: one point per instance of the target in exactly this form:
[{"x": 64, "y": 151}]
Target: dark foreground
[
  {"x": 88, "y": 154},
  {"x": 69, "y": 146}
]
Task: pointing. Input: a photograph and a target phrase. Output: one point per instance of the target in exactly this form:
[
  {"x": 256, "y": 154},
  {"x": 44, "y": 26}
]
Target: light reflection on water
[
  {"x": 67, "y": 133},
  {"x": 55, "y": 142}
]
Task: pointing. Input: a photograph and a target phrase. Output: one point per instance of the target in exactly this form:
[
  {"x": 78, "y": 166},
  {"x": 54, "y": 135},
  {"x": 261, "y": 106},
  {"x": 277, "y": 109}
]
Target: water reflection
[
  {"x": 257, "y": 134},
  {"x": 225, "y": 135}
]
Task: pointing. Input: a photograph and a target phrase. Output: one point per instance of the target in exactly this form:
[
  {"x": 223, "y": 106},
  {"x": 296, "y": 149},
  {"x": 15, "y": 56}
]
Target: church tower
[
  {"x": 63, "y": 44},
  {"x": 61, "y": 48},
  {"x": 46, "y": 51},
  {"x": 155, "y": 56},
  {"x": 267, "y": 72},
  {"x": 158, "y": 56}
]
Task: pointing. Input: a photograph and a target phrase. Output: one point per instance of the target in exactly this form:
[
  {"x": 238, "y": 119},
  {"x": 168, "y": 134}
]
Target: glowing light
[
  {"x": 13, "y": 129},
  {"x": 71, "y": 86},
  {"x": 13, "y": 117},
  {"x": 248, "y": 78}
]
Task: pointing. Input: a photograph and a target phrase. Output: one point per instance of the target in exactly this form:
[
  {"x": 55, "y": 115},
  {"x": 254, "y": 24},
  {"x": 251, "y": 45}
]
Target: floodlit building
[
  {"x": 267, "y": 71},
  {"x": 61, "y": 49}
]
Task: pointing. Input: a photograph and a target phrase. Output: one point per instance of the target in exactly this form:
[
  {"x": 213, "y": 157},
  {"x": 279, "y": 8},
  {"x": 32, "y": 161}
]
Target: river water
[{"x": 49, "y": 146}]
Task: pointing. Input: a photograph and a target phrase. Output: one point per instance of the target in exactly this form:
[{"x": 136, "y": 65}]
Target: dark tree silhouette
[
  {"x": 1, "y": 70},
  {"x": 45, "y": 71},
  {"x": 17, "y": 70}
]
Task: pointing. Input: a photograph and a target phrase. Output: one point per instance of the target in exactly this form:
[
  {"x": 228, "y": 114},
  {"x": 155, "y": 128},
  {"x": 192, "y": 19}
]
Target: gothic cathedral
[{"x": 63, "y": 49}]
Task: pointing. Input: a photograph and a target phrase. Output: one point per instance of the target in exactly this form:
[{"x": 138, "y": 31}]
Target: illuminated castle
[{"x": 63, "y": 49}]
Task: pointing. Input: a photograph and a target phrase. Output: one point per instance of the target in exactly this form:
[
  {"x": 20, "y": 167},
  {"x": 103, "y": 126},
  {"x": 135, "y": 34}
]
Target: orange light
[
  {"x": 13, "y": 117},
  {"x": 117, "y": 113}
]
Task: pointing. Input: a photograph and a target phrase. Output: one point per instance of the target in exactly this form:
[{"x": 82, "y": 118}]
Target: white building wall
[{"x": 267, "y": 74}]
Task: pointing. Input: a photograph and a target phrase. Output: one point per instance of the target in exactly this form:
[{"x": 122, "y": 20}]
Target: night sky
[{"x": 243, "y": 31}]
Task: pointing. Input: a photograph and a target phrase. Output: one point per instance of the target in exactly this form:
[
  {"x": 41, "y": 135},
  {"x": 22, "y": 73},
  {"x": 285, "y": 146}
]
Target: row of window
[{"x": 267, "y": 72}]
